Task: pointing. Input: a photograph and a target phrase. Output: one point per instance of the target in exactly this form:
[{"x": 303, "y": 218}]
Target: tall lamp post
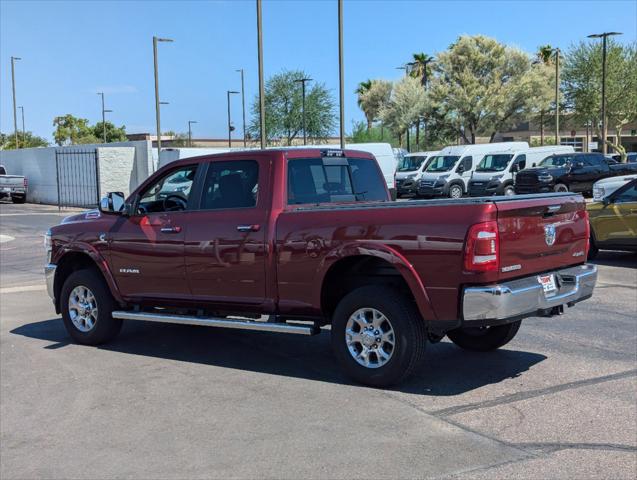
[
  {"x": 157, "y": 102},
  {"x": 262, "y": 132},
  {"x": 302, "y": 81},
  {"x": 557, "y": 96},
  {"x": 230, "y": 128},
  {"x": 604, "y": 36},
  {"x": 341, "y": 80},
  {"x": 190, "y": 122},
  {"x": 243, "y": 106},
  {"x": 104, "y": 111},
  {"x": 15, "y": 114},
  {"x": 24, "y": 132}
]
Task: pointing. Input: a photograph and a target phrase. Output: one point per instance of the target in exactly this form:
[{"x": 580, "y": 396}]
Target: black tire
[
  {"x": 560, "y": 187},
  {"x": 508, "y": 191},
  {"x": 409, "y": 330},
  {"x": 454, "y": 190},
  {"x": 592, "y": 248},
  {"x": 484, "y": 339},
  {"x": 105, "y": 327},
  {"x": 18, "y": 198}
]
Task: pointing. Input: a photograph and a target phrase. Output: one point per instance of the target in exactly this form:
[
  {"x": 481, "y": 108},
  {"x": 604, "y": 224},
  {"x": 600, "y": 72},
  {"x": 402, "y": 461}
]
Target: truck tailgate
[{"x": 541, "y": 234}]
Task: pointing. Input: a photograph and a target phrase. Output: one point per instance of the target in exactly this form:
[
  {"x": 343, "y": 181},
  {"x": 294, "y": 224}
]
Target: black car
[{"x": 574, "y": 172}]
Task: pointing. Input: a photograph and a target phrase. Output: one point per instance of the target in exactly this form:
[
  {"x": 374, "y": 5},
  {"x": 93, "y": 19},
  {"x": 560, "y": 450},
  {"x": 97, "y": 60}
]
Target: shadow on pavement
[
  {"x": 448, "y": 370},
  {"x": 613, "y": 258}
]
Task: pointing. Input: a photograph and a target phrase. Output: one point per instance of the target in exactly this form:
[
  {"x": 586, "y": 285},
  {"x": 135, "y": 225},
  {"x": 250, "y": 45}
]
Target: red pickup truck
[{"x": 294, "y": 240}]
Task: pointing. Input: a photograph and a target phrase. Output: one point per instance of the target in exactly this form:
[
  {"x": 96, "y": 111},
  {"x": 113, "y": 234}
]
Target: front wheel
[
  {"x": 18, "y": 198},
  {"x": 484, "y": 339},
  {"x": 560, "y": 187},
  {"x": 455, "y": 191},
  {"x": 86, "y": 305},
  {"x": 378, "y": 336},
  {"x": 509, "y": 190}
]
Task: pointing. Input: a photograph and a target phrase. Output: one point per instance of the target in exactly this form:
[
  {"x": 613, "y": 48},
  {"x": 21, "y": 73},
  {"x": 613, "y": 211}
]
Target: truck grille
[
  {"x": 526, "y": 179},
  {"x": 426, "y": 183},
  {"x": 477, "y": 189}
]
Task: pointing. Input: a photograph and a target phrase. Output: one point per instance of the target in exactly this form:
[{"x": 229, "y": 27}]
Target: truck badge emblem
[{"x": 549, "y": 234}]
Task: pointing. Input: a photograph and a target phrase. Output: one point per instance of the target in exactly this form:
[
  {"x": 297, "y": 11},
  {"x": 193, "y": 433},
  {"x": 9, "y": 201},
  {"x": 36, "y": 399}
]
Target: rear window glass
[{"x": 312, "y": 181}]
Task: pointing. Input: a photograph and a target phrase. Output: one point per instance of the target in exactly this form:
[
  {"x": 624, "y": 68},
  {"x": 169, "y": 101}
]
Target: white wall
[{"x": 123, "y": 166}]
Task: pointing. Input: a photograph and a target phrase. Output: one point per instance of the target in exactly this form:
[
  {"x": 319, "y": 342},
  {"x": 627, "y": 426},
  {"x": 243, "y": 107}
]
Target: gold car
[{"x": 614, "y": 220}]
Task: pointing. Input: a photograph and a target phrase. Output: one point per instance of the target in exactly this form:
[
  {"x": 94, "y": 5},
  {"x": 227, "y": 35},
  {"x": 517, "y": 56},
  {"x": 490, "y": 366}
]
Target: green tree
[
  {"x": 178, "y": 139},
  {"x": 482, "y": 86},
  {"x": 582, "y": 79},
  {"x": 25, "y": 140},
  {"x": 377, "y": 133},
  {"x": 71, "y": 130},
  {"x": 113, "y": 133},
  {"x": 283, "y": 109},
  {"x": 406, "y": 105},
  {"x": 372, "y": 96}
]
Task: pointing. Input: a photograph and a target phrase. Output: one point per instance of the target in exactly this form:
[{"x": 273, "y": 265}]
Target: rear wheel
[
  {"x": 86, "y": 305},
  {"x": 483, "y": 339},
  {"x": 455, "y": 191},
  {"x": 560, "y": 187},
  {"x": 378, "y": 336},
  {"x": 509, "y": 190},
  {"x": 18, "y": 198}
]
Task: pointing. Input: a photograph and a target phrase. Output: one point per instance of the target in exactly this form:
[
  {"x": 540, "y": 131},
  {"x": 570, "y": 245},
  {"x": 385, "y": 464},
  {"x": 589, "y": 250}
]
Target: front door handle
[
  {"x": 170, "y": 229},
  {"x": 248, "y": 228}
]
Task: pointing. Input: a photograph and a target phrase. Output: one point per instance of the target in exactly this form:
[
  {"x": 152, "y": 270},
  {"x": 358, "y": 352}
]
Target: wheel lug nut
[{"x": 378, "y": 340}]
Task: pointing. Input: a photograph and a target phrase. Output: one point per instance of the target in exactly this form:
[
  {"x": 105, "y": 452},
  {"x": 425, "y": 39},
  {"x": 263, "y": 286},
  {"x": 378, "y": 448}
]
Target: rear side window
[
  {"x": 313, "y": 181},
  {"x": 230, "y": 185}
]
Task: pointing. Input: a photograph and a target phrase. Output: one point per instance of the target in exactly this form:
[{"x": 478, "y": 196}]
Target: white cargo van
[
  {"x": 384, "y": 156},
  {"x": 409, "y": 170},
  {"x": 448, "y": 173},
  {"x": 495, "y": 174}
]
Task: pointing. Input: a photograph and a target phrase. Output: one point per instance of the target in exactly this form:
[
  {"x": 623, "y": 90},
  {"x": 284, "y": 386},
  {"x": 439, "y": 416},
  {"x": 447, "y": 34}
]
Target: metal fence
[{"x": 78, "y": 179}]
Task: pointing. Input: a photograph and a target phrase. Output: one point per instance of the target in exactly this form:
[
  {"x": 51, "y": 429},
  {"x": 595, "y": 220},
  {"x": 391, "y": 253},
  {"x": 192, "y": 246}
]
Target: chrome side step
[{"x": 279, "y": 327}]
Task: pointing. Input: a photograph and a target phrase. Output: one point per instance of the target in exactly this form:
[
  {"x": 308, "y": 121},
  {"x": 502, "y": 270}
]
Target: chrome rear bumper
[{"x": 525, "y": 297}]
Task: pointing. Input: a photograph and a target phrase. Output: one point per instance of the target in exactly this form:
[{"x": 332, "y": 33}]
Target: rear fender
[{"x": 383, "y": 252}]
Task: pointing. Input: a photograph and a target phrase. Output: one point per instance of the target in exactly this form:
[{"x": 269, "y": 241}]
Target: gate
[{"x": 78, "y": 180}]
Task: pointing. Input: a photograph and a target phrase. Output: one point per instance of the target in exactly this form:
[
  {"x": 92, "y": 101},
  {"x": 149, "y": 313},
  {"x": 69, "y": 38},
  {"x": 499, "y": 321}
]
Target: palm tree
[
  {"x": 420, "y": 68},
  {"x": 363, "y": 88}
]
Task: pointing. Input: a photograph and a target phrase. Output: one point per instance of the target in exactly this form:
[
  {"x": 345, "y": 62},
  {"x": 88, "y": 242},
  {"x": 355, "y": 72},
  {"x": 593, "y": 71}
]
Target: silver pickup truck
[{"x": 14, "y": 186}]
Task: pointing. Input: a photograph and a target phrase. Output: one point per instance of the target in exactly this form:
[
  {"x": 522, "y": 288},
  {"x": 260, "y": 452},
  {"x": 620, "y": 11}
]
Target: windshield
[
  {"x": 442, "y": 163},
  {"x": 494, "y": 163},
  {"x": 410, "y": 164},
  {"x": 556, "y": 161}
]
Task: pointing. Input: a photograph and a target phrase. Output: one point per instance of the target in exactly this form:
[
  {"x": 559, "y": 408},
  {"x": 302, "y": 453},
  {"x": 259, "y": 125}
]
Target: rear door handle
[
  {"x": 248, "y": 228},
  {"x": 170, "y": 229}
]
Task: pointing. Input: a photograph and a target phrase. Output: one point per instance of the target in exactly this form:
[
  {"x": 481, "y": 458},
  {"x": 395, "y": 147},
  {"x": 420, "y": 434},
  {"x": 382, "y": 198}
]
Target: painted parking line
[{"x": 24, "y": 288}]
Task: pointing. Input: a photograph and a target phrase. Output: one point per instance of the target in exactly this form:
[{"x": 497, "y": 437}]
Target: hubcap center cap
[{"x": 368, "y": 339}]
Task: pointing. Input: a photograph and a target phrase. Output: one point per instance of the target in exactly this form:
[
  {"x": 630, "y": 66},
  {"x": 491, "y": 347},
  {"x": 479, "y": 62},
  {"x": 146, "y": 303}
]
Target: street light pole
[
  {"x": 341, "y": 81},
  {"x": 262, "y": 132},
  {"x": 604, "y": 36},
  {"x": 302, "y": 82},
  {"x": 557, "y": 96},
  {"x": 15, "y": 114},
  {"x": 157, "y": 114},
  {"x": 229, "y": 92},
  {"x": 24, "y": 133},
  {"x": 190, "y": 122},
  {"x": 243, "y": 106},
  {"x": 104, "y": 111}
]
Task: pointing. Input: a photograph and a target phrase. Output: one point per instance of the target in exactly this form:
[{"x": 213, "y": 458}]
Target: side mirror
[
  {"x": 534, "y": 164},
  {"x": 113, "y": 203},
  {"x": 460, "y": 168},
  {"x": 515, "y": 167},
  {"x": 607, "y": 201}
]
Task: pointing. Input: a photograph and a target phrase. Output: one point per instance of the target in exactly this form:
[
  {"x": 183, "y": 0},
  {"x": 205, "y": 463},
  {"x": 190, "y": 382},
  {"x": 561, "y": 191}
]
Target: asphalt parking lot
[{"x": 165, "y": 401}]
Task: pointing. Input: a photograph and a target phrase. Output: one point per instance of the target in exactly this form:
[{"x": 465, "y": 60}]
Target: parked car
[
  {"x": 309, "y": 238},
  {"x": 572, "y": 172},
  {"x": 449, "y": 172},
  {"x": 409, "y": 170},
  {"x": 14, "y": 186},
  {"x": 495, "y": 173},
  {"x": 613, "y": 221},
  {"x": 605, "y": 187}
]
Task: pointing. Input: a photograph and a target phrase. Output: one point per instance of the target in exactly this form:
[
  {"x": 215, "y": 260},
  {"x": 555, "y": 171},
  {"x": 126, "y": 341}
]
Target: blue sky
[{"x": 73, "y": 49}]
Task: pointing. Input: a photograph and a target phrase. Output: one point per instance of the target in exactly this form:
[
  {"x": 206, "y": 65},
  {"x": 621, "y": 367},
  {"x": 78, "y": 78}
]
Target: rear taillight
[{"x": 482, "y": 248}]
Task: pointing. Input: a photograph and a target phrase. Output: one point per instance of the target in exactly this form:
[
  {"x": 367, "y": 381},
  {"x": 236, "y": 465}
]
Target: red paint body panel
[{"x": 280, "y": 267}]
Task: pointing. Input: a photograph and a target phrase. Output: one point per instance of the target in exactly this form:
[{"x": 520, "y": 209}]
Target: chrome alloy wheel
[
  {"x": 370, "y": 337},
  {"x": 455, "y": 191},
  {"x": 83, "y": 308}
]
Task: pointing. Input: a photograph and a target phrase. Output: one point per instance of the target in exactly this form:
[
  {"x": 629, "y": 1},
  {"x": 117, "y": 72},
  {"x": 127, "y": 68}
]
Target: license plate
[{"x": 548, "y": 284}]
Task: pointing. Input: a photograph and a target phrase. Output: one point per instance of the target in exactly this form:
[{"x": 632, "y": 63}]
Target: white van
[
  {"x": 448, "y": 173},
  {"x": 409, "y": 170},
  {"x": 495, "y": 174}
]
